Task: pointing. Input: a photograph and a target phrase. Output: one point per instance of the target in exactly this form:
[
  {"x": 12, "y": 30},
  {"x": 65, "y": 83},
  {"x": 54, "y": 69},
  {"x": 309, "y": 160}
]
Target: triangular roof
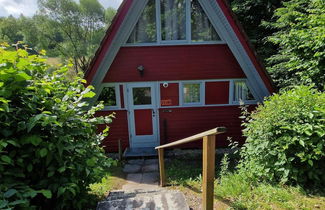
[{"x": 221, "y": 18}]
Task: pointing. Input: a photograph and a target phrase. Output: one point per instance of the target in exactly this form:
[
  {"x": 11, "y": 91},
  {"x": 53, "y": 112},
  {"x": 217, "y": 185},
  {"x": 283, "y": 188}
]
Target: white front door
[{"x": 143, "y": 116}]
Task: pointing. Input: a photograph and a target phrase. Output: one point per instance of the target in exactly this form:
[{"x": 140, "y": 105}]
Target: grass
[
  {"x": 113, "y": 180},
  {"x": 234, "y": 191}
]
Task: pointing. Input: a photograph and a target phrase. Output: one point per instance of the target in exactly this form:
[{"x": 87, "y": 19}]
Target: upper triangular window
[
  {"x": 145, "y": 29},
  {"x": 177, "y": 20},
  {"x": 201, "y": 27}
]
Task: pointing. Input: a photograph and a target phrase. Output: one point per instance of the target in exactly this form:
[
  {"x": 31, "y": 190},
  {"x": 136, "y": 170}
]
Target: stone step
[{"x": 146, "y": 200}]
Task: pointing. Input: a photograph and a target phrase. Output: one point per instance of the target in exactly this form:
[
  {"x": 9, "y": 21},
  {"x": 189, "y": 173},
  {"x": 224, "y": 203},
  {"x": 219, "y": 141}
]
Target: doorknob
[{"x": 153, "y": 113}]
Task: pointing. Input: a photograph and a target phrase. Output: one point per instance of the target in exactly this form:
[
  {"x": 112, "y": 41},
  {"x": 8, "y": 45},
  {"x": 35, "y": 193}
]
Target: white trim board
[{"x": 180, "y": 89}]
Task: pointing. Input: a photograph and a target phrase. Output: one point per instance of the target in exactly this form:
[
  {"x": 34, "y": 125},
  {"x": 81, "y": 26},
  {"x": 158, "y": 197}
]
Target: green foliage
[
  {"x": 236, "y": 189},
  {"x": 10, "y": 30},
  {"x": 81, "y": 25},
  {"x": 301, "y": 40},
  {"x": 286, "y": 138},
  {"x": 64, "y": 28},
  {"x": 49, "y": 149},
  {"x": 241, "y": 193},
  {"x": 252, "y": 14},
  {"x": 113, "y": 179}
]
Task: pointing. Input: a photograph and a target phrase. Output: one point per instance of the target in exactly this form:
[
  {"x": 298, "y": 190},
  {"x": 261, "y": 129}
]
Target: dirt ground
[{"x": 194, "y": 199}]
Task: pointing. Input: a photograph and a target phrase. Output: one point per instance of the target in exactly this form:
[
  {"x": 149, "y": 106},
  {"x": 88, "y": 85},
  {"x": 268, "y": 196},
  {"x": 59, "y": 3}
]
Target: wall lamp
[{"x": 141, "y": 69}]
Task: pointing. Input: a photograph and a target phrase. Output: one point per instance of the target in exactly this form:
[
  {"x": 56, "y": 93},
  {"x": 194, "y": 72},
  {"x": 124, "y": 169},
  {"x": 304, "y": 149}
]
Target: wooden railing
[{"x": 208, "y": 171}]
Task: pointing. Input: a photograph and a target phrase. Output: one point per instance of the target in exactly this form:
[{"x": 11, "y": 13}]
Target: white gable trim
[
  {"x": 223, "y": 27},
  {"x": 120, "y": 38},
  {"x": 218, "y": 20}
]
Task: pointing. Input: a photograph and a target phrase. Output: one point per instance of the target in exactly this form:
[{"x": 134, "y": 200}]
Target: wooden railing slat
[
  {"x": 213, "y": 131},
  {"x": 208, "y": 171},
  {"x": 162, "y": 167},
  {"x": 208, "y": 158}
]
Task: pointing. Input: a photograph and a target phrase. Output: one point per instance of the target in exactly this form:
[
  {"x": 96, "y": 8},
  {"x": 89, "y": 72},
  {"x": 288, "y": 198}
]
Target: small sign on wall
[
  {"x": 167, "y": 102},
  {"x": 169, "y": 96}
]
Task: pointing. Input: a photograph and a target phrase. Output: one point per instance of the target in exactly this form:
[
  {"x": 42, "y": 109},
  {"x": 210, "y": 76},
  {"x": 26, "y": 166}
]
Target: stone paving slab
[
  {"x": 150, "y": 178},
  {"x": 159, "y": 200},
  {"x": 136, "y": 161},
  {"x": 151, "y": 161},
  {"x": 142, "y": 191},
  {"x": 144, "y": 176},
  {"x": 150, "y": 168},
  {"x": 132, "y": 168},
  {"x": 136, "y": 178}
]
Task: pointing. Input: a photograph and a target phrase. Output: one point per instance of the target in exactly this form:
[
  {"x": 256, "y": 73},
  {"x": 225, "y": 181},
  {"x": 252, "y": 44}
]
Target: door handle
[{"x": 153, "y": 113}]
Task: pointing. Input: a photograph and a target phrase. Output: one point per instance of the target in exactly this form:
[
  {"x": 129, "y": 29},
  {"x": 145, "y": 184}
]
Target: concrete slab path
[
  {"x": 142, "y": 191},
  {"x": 141, "y": 175}
]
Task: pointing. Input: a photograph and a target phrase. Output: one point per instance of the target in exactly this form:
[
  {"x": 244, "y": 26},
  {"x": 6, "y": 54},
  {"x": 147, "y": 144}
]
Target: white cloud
[
  {"x": 17, "y": 7},
  {"x": 29, "y": 7},
  {"x": 111, "y": 3}
]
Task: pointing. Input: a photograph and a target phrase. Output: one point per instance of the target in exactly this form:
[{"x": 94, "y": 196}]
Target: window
[
  {"x": 242, "y": 92},
  {"x": 202, "y": 29},
  {"x": 191, "y": 93},
  {"x": 145, "y": 30},
  {"x": 108, "y": 96},
  {"x": 142, "y": 96},
  {"x": 173, "y": 19},
  {"x": 177, "y": 20}
]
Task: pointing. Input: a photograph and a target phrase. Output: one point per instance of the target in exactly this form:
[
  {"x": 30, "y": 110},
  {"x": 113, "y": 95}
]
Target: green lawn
[
  {"x": 113, "y": 180},
  {"x": 233, "y": 192}
]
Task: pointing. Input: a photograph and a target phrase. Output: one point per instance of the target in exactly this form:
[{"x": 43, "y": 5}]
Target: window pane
[
  {"x": 241, "y": 92},
  {"x": 145, "y": 29},
  {"x": 142, "y": 96},
  {"x": 108, "y": 96},
  {"x": 173, "y": 18},
  {"x": 191, "y": 93},
  {"x": 202, "y": 29}
]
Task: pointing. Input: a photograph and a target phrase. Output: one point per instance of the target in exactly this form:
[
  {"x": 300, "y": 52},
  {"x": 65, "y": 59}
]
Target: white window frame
[
  {"x": 202, "y": 93},
  {"x": 232, "y": 89},
  {"x": 117, "y": 96},
  {"x": 187, "y": 41},
  {"x": 231, "y": 102}
]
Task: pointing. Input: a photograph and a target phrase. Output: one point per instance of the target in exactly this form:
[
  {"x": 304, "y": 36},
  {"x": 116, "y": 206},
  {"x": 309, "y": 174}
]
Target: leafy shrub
[
  {"x": 49, "y": 150},
  {"x": 286, "y": 138}
]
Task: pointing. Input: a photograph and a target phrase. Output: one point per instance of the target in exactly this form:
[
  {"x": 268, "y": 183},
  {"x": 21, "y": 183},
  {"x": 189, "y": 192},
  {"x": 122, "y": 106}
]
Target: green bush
[
  {"x": 286, "y": 138},
  {"x": 49, "y": 149}
]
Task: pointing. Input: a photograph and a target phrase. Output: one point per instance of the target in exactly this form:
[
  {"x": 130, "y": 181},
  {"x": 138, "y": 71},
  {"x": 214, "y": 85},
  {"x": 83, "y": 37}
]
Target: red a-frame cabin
[{"x": 173, "y": 68}]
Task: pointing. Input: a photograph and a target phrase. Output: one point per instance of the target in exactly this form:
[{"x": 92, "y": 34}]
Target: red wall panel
[
  {"x": 216, "y": 92},
  {"x": 118, "y": 130},
  {"x": 169, "y": 96},
  {"x": 178, "y": 123},
  {"x": 185, "y": 62},
  {"x": 143, "y": 122}
]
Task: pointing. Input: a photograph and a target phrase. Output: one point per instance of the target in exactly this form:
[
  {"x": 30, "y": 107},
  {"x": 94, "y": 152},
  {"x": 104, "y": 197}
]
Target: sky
[{"x": 29, "y": 7}]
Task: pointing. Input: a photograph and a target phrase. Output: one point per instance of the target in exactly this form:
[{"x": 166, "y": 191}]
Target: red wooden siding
[
  {"x": 143, "y": 122},
  {"x": 186, "y": 62},
  {"x": 118, "y": 130},
  {"x": 216, "y": 92},
  {"x": 178, "y": 123},
  {"x": 121, "y": 96},
  {"x": 169, "y": 96}
]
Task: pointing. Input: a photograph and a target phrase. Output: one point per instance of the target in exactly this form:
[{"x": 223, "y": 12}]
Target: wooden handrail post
[
  {"x": 162, "y": 167},
  {"x": 208, "y": 171}
]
